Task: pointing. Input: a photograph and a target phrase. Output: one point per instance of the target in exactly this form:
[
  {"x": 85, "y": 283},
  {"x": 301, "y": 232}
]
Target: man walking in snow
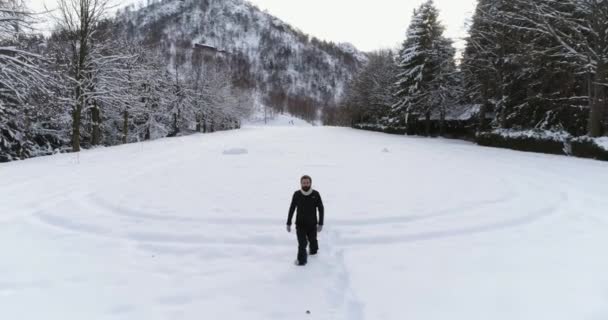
[{"x": 307, "y": 201}]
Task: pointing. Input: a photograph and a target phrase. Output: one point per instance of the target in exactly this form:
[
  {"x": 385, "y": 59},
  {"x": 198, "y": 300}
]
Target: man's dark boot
[
  {"x": 311, "y": 235},
  {"x": 302, "y": 244}
]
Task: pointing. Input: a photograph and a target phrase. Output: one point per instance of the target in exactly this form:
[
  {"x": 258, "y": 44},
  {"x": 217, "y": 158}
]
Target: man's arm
[
  {"x": 292, "y": 208},
  {"x": 321, "y": 209}
]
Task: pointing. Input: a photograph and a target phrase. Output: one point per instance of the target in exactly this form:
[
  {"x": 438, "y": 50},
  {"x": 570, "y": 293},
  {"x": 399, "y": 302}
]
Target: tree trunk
[
  {"x": 442, "y": 123},
  {"x": 411, "y": 123},
  {"x": 198, "y": 123},
  {"x": 96, "y": 123},
  {"x": 175, "y": 130},
  {"x": 125, "y": 127},
  {"x": 76, "y": 128},
  {"x": 77, "y": 116},
  {"x": 82, "y": 55},
  {"x": 483, "y": 110},
  {"x": 598, "y": 102},
  {"x": 427, "y": 120},
  {"x": 500, "y": 103}
]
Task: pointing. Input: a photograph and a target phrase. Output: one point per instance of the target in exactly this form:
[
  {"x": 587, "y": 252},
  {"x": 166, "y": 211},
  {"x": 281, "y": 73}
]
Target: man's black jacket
[{"x": 307, "y": 209}]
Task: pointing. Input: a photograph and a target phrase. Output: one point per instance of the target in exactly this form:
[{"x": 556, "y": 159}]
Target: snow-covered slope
[
  {"x": 262, "y": 50},
  {"x": 188, "y": 228},
  {"x": 275, "y": 120},
  {"x": 263, "y": 115}
]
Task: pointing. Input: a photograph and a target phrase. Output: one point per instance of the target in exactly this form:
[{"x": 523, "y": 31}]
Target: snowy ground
[{"x": 186, "y": 228}]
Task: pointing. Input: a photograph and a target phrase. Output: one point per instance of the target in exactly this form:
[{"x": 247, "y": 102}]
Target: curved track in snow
[{"x": 177, "y": 228}]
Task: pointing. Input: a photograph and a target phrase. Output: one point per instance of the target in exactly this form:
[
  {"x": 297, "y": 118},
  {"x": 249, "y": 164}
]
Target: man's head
[{"x": 306, "y": 183}]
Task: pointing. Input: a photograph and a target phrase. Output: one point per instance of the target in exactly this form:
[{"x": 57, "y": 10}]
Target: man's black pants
[{"x": 306, "y": 234}]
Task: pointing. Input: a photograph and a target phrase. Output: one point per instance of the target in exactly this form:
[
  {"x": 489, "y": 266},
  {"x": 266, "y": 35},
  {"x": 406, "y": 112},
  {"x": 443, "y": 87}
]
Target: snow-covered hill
[
  {"x": 276, "y": 119},
  {"x": 284, "y": 63},
  {"x": 264, "y": 115},
  {"x": 184, "y": 228}
]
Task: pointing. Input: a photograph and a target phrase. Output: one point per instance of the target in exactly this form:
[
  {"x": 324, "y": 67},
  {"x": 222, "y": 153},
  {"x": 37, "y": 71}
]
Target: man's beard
[{"x": 306, "y": 188}]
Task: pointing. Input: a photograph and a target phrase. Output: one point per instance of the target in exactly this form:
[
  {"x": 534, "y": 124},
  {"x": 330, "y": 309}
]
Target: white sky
[{"x": 369, "y": 25}]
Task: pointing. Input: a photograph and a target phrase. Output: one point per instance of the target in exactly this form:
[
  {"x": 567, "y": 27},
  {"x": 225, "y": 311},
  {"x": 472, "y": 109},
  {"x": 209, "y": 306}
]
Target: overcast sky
[{"x": 369, "y": 25}]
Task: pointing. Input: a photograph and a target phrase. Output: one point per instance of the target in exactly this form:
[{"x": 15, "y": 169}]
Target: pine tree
[
  {"x": 529, "y": 62},
  {"x": 446, "y": 86},
  {"x": 487, "y": 57},
  {"x": 423, "y": 62},
  {"x": 578, "y": 27}
]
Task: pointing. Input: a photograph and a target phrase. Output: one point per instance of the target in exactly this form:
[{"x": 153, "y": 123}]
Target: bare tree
[
  {"x": 20, "y": 70},
  {"x": 80, "y": 20},
  {"x": 23, "y": 79},
  {"x": 213, "y": 98},
  {"x": 369, "y": 94}
]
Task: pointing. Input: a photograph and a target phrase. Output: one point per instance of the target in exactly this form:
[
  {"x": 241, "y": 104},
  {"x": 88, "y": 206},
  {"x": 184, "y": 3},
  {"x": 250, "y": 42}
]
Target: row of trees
[
  {"x": 527, "y": 64},
  {"x": 540, "y": 63},
  {"x": 88, "y": 84}
]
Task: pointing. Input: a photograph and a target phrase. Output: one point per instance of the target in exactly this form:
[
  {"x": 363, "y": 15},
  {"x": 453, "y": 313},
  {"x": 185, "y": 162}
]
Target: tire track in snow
[
  {"x": 63, "y": 225},
  {"x": 67, "y": 190},
  {"x": 91, "y": 202},
  {"x": 507, "y": 223},
  {"x": 456, "y": 232},
  {"x": 132, "y": 213},
  {"x": 143, "y": 236}
]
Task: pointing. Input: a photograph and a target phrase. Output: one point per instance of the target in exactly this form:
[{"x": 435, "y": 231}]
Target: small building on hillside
[{"x": 208, "y": 50}]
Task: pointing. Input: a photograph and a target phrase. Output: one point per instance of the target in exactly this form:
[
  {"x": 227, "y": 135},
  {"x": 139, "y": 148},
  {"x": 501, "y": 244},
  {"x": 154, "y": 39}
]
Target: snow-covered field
[{"x": 188, "y": 228}]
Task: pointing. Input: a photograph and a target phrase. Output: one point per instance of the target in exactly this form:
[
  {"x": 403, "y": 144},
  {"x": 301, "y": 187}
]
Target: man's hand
[
  {"x": 319, "y": 228},
  {"x": 288, "y": 228}
]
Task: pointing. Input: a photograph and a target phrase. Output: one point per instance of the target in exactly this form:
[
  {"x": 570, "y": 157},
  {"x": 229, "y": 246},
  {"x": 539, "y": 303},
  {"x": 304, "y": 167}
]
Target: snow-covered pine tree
[
  {"x": 412, "y": 62},
  {"x": 489, "y": 50},
  {"x": 420, "y": 64},
  {"x": 523, "y": 72},
  {"x": 512, "y": 70},
  {"x": 445, "y": 88},
  {"x": 579, "y": 29}
]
